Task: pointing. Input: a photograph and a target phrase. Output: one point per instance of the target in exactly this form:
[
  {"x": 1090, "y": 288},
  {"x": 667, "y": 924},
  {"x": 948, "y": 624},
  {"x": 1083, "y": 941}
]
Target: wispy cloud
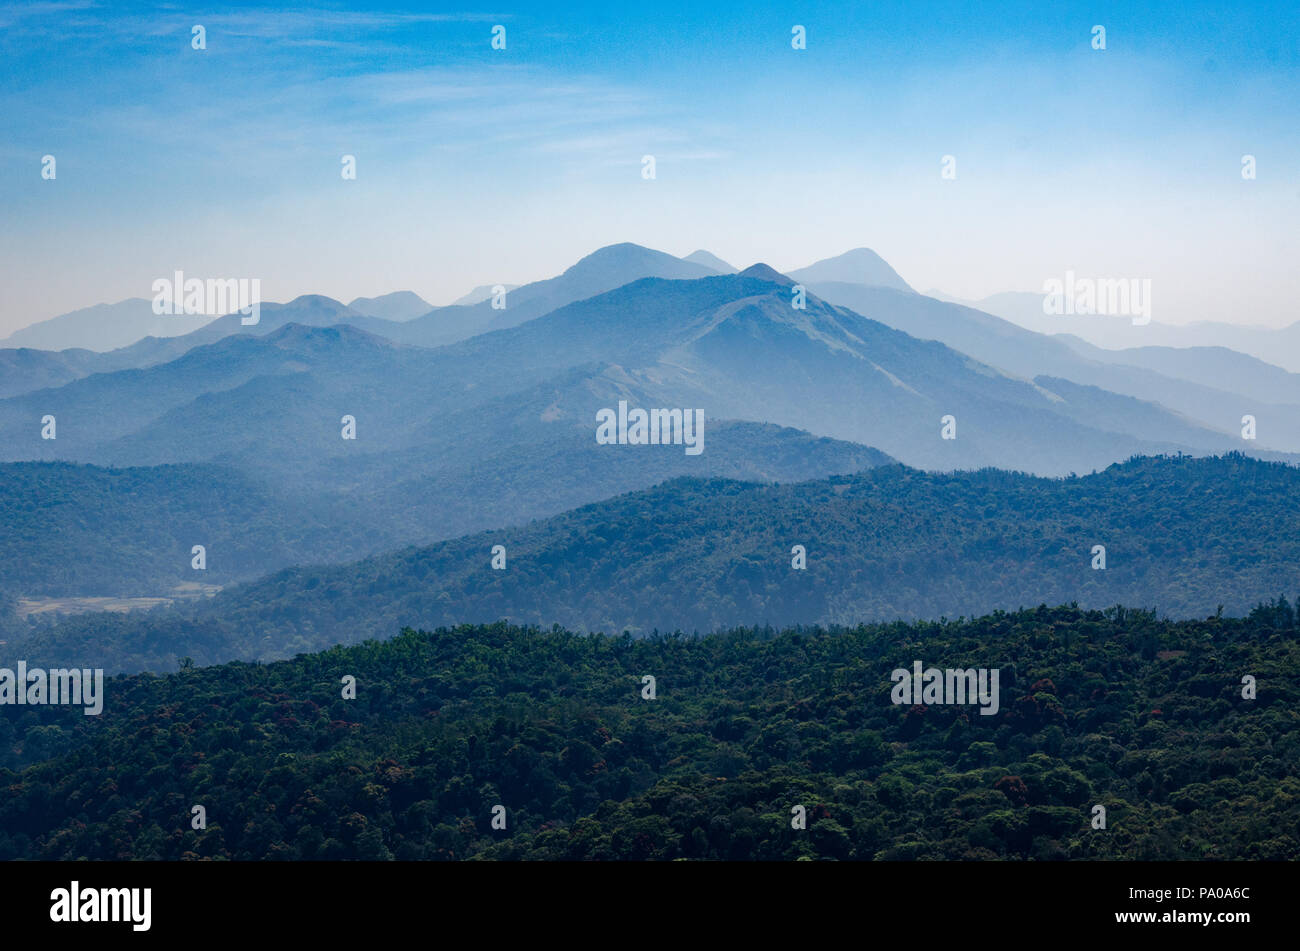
[{"x": 291, "y": 25}]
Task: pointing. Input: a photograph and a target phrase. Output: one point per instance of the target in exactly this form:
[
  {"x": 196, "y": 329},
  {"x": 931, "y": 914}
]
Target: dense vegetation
[
  {"x": 1182, "y": 535},
  {"x": 1118, "y": 708}
]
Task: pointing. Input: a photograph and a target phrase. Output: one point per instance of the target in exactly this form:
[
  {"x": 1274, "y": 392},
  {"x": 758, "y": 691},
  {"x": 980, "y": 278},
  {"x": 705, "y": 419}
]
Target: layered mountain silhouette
[
  {"x": 133, "y": 342},
  {"x": 1185, "y": 536},
  {"x": 103, "y": 327},
  {"x": 23, "y": 369},
  {"x": 498, "y": 428},
  {"x": 1211, "y": 388},
  {"x": 309, "y": 309},
  {"x": 1276, "y": 345},
  {"x": 108, "y": 532},
  {"x": 600, "y": 271},
  {"x": 734, "y": 346}
]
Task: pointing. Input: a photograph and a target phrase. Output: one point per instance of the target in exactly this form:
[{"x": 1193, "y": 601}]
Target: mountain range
[
  {"x": 732, "y": 345},
  {"x": 471, "y": 418},
  {"x": 1210, "y": 388},
  {"x": 103, "y": 327},
  {"x": 1279, "y": 346}
]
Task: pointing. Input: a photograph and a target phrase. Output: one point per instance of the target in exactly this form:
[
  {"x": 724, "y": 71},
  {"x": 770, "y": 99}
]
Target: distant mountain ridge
[
  {"x": 1279, "y": 346},
  {"x": 1197, "y": 386},
  {"x": 399, "y": 305},
  {"x": 481, "y": 293},
  {"x": 710, "y": 260},
  {"x": 103, "y": 327},
  {"x": 601, "y": 271},
  {"x": 733, "y": 345},
  {"x": 859, "y": 266}
]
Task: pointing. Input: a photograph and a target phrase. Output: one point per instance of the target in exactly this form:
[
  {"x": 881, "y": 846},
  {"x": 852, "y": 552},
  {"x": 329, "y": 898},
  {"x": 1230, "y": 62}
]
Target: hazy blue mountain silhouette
[
  {"x": 1193, "y": 384},
  {"x": 103, "y": 327},
  {"x": 731, "y": 345},
  {"x": 710, "y": 260},
  {"x": 859, "y": 266},
  {"x": 254, "y": 522},
  {"x": 23, "y": 369},
  {"x": 399, "y": 305},
  {"x": 601, "y": 271},
  {"x": 1275, "y": 345}
]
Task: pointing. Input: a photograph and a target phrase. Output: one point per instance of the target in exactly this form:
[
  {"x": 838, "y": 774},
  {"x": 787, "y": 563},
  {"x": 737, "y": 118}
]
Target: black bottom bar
[{"x": 916, "y": 900}]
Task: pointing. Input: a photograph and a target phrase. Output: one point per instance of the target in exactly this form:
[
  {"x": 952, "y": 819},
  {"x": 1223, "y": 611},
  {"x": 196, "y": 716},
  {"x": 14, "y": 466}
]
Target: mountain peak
[
  {"x": 399, "y": 305},
  {"x": 859, "y": 266},
  {"x": 710, "y": 260},
  {"x": 623, "y": 251},
  {"x": 765, "y": 272},
  {"x": 316, "y": 300},
  {"x": 618, "y": 264}
]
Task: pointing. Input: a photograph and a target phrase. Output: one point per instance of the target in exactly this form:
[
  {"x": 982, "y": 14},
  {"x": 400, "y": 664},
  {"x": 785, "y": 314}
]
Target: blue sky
[{"x": 479, "y": 166}]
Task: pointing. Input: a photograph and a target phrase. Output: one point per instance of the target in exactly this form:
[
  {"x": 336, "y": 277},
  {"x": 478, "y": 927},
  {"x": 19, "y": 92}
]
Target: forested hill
[
  {"x": 75, "y": 530},
  {"x": 1181, "y": 535},
  {"x": 1118, "y": 709}
]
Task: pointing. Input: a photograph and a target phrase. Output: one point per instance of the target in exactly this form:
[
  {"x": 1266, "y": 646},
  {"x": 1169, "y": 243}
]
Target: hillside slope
[{"x": 1182, "y": 535}]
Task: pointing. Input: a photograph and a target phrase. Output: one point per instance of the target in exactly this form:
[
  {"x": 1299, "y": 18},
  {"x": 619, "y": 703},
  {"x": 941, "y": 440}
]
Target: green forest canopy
[{"x": 1119, "y": 708}]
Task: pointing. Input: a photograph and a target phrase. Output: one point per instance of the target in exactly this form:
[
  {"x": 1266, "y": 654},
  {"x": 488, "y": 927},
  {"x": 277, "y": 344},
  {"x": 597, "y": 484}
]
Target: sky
[{"x": 483, "y": 166}]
